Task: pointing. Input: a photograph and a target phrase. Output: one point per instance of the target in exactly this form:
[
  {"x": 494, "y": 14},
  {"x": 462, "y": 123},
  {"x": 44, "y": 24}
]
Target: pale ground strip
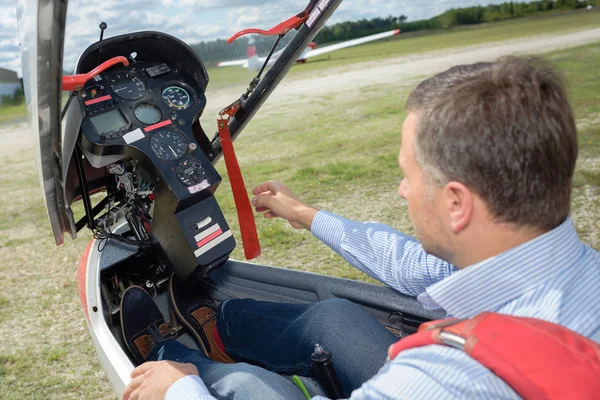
[{"x": 50, "y": 314}]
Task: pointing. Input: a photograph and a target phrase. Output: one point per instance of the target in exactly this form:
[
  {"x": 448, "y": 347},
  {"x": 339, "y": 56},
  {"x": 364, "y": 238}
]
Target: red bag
[{"x": 538, "y": 359}]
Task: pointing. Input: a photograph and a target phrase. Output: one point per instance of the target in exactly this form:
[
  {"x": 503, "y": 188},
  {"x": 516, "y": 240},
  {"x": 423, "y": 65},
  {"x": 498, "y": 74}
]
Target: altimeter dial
[
  {"x": 168, "y": 144},
  {"x": 128, "y": 85}
]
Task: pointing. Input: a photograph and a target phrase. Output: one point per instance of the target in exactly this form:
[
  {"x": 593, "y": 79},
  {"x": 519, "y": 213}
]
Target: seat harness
[{"x": 537, "y": 359}]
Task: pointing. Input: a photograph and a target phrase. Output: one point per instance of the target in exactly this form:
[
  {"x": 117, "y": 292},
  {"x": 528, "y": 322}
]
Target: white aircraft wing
[
  {"x": 349, "y": 43},
  {"x": 243, "y": 63}
]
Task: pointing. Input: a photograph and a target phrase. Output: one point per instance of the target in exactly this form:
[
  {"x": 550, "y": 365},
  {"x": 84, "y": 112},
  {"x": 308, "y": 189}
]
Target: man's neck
[{"x": 490, "y": 241}]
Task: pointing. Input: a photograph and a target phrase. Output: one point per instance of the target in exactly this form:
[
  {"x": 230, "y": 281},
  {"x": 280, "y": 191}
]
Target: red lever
[
  {"x": 281, "y": 29},
  {"x": 76, "y": 82},
  {"x": 240, "y": 195}
]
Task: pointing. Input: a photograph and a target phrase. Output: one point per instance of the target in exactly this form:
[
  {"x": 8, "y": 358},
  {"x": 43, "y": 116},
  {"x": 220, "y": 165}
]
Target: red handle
[
  {"x": 240, "y": 196},
  {"x": 281, "y": 29},
  {"x": 76, "y": 82}
]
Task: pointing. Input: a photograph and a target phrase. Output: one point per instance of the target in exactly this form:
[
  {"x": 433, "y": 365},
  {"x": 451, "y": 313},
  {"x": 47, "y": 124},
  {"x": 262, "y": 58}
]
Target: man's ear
[{"x": 459, "y": 202}]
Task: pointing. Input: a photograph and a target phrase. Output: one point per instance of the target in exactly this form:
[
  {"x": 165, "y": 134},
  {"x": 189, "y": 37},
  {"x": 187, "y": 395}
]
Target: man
[{"x": 488, "y": 154}]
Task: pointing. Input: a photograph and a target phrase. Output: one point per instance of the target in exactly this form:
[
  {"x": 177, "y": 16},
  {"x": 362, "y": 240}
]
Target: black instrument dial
[
  {"x": 177, "y": 98},
  {"x": 128, "y": 85},
  {"x": 168, "y": 145},
  {"x": 147, "y": 113},
  {"x": 190, "y": 172}
]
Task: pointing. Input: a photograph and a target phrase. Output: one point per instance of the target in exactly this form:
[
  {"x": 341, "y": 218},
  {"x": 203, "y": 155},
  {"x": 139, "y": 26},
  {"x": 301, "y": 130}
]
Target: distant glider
[{"x": 254, "y": 62}]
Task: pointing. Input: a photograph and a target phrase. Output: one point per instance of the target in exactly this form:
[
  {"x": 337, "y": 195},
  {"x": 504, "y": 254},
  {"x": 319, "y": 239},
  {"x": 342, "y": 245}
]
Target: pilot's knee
[{"x": 336, "y": 306}]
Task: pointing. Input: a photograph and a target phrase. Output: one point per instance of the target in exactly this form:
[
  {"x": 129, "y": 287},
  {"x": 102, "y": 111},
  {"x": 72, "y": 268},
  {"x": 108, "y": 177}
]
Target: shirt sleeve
[
  {"x": 189, "y": 387},
  {"x": 381, "y": 252}
]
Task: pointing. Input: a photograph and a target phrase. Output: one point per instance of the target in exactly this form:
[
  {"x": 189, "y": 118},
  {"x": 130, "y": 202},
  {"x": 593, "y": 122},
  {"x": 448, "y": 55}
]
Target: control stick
[{"x": 321, "y": 358}]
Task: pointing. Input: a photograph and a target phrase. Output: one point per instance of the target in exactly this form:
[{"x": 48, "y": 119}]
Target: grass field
[
  {"x": 338, "y": 153},
  {"x": 10, "y": 113}
]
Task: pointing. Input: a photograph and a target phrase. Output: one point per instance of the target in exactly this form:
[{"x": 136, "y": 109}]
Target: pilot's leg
[
  {"x": 146, "y": 335},
  {"x": 229, "y": 381},
  {"x": 282, "y": 337}
]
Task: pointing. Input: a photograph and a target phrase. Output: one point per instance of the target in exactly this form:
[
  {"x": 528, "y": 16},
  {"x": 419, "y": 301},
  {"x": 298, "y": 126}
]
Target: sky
[{"x": 196, "y": 20}]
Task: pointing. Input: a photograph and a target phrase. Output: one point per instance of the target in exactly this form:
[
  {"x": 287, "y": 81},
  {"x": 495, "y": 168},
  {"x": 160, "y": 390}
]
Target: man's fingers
[
  {"x": 270, "y": 214},
  {"x": 270, "y": 186},
  {"x": 295, "y": 225},
  {"x": 127, "y": 393},
  {"x": 261, "y": 209},
  {"x": 262, "y": 201},
  {"x": 141, "y": 370},
  {"x": 133, "y": 385}
]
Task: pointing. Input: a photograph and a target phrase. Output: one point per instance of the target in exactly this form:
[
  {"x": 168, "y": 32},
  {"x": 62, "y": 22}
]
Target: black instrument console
[
  {"x": 149, "y": 112},
  {"x": 148, "y": 106}
]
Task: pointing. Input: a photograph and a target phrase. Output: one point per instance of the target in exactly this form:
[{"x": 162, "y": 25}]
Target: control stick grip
[{"x": 321, "y": 358}]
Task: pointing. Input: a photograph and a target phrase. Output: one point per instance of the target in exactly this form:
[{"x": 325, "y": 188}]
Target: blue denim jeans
[
  {"x": 239, "y": 381},
  {"x": 281, "y": 338}
]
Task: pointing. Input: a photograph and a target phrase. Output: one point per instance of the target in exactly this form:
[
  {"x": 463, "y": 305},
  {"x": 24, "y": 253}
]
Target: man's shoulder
[
  {"x": 568, "y": 298},
  {"x": 592, "y": 254}
]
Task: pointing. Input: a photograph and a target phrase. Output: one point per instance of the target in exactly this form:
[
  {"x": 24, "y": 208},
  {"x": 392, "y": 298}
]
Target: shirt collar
[{"x": 491, "y": 283}]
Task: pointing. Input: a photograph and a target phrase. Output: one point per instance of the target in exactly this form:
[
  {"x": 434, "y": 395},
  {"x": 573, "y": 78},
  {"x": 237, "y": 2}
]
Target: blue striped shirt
[{"x": 554, "y": 277}]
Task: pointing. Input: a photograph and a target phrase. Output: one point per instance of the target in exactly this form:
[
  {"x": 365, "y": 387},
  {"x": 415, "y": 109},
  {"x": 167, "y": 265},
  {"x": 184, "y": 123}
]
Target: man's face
[{"x": 425, "y": 205}]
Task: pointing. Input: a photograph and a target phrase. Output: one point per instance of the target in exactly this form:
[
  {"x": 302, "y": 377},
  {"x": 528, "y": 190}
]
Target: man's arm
[
  {"x": 434, "y": 372},
  {"x": 189, "y": 387},
  {"x": 376, "y": 249},
  {"x": 381, "y": 252}
]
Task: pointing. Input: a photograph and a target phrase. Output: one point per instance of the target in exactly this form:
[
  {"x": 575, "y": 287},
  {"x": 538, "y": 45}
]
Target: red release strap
[
  {"x": 76, "y": 82},
  {"x": 280, "y": 29},
  {"x": 240, "y": 195},
  {"x": 538, "y": 359}
]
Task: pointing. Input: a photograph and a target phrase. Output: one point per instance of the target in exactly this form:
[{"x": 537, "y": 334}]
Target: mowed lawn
[
  {"x": 338, "y": 153},
  {"x": 12, "y": 112}
]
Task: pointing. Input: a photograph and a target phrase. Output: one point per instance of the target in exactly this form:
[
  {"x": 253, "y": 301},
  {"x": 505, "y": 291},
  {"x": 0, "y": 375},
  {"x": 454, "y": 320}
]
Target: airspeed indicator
[{"x": 176, "y": 97}]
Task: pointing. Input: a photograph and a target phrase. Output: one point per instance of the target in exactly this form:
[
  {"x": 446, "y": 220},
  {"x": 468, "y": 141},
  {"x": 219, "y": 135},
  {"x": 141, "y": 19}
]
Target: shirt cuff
[
  {"x": 329, "y": 228},
  {"x": 190, "y": 387}
]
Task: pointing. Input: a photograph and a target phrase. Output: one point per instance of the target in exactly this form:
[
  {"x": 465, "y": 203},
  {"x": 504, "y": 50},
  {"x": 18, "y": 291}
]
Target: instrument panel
[
  {"x": 148, "y": 92},
  {"x": 149, "y": 106},
  {"x": 143, "y": 118}
]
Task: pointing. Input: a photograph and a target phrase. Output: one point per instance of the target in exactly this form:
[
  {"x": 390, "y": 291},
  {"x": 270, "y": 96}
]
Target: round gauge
[
  {"x": 168, "y": 144},
  {"x": 128, "y": 85},
  {"x": 147, "y": 113},
  {"x": 177, "y": 97}
]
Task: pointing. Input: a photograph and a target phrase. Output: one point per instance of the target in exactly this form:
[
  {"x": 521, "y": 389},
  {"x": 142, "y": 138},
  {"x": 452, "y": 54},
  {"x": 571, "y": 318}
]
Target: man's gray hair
[{"x": 505, "y": 130}]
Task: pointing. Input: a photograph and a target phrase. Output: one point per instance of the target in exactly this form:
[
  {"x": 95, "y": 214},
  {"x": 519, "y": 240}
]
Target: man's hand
[
  {"x": 279, "y": 201},
  {"x": 153, "y": 379}
]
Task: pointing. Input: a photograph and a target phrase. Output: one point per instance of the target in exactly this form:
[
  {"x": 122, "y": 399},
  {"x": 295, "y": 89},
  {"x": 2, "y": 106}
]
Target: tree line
[{"x": 218, "y": 50}]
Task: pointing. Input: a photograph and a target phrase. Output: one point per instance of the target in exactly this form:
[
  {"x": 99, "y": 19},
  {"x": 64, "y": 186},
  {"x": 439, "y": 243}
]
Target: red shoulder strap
[{"x": 538, "y": 359}]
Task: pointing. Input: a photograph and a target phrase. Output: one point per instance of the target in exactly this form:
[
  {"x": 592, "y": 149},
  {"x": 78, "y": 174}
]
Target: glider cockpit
[{"x": 142, "y": 142}]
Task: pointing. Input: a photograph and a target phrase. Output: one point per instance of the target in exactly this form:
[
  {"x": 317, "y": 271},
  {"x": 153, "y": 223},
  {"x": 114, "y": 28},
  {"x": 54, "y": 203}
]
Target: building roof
[{"x": 8, "y": 76}]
